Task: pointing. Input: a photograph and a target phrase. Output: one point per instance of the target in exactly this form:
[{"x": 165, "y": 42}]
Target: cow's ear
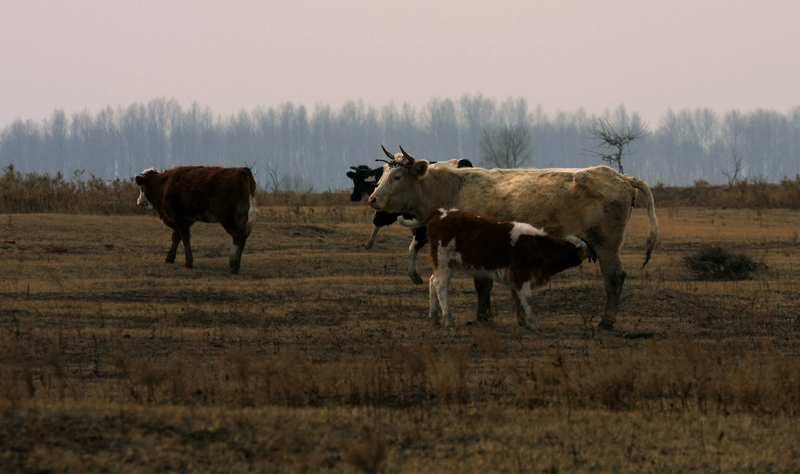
[
  {"x": 139, "y": 180},
  {"x": 420, "y": 168},
  {"x": 351, "y": 175}
]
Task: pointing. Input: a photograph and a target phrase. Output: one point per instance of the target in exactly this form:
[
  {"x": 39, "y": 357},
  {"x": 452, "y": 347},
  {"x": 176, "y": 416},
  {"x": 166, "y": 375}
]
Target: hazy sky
[{"x": 562, "y": 54}]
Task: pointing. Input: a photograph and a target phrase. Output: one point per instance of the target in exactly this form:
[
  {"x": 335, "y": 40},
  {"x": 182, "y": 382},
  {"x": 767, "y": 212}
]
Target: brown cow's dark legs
[
  {"x": 185, "y": 236},
  {"x": 483, "y": 286},
  {"x": 173, "y": 250},
  {"x": 236, "y": 253},
  {"x": 239, "y": 234}
]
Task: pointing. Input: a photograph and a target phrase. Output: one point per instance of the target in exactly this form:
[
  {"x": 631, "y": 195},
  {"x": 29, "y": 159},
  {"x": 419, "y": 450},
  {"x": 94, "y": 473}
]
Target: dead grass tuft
[{"x": 715, "y": 263}]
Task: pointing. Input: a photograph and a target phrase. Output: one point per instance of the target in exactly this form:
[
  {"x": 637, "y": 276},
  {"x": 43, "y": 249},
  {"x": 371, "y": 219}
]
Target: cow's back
[
  {"x": 205, "y": 193},
  {"x": 561, "y": 201}
]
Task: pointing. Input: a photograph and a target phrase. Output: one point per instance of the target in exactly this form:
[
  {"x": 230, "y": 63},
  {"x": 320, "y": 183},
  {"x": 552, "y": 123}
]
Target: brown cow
[
  {"x": 513, "y": 253},
  {"x": 189, "y": 194},
  {"x": 593, "y": 204}
]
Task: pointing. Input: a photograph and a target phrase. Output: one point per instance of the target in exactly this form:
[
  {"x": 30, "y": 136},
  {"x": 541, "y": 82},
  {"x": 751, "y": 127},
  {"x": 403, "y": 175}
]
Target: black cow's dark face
[{"x": 364, "y": 180}]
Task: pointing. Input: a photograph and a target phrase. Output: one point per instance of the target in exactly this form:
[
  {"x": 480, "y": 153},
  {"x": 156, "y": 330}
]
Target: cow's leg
[
  {"x": 235, "y": 257},
  {"x": 433, "y": 313},
  {"x": 420, "y": 238},
  {"x": 483, "y": 286},
  {"x": 518, "y": 309},
  {"x": 173, "y": 250},
  {"x": 237, "y": 231},
  {"x": 606, "y": 241},
  {"x": 614, "y": 277},
  {"x": 186, "y": 237},
  {"x": 524, "y": 299},
  {"x": 371, "y": 240},
  {"x": 442, "y": 285}
]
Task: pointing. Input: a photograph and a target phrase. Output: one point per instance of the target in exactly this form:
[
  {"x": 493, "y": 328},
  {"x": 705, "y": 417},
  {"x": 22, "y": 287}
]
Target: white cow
[{"x": 593, "y": 204}]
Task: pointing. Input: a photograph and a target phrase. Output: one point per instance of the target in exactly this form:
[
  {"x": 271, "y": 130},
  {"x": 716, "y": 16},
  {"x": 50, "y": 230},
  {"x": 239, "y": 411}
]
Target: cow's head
[
  {"x": 364, "y": 179},
  {"x": 143, "y": 181},
  {"x": 398, "y": 189}
]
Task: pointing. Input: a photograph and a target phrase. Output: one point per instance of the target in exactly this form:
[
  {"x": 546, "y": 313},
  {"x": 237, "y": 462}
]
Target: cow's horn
[
  {"x": 391, "y": 157},
  {"x": 385, "y": 161},
  {"x": 353, "y": 168},
  {"x": 406, "y": 155}
]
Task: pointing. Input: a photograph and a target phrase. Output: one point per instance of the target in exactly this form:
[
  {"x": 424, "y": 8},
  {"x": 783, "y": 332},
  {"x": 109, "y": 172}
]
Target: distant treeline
[
  {"x": 80, "y": 194},
  {"x": 292, "y": 148}
]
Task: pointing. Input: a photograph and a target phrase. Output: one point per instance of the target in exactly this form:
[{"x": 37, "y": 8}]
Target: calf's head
[{"x": 560, "y": 254}]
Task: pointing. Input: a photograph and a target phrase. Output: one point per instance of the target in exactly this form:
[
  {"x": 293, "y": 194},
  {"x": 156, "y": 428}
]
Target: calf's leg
[
  {"x": 521, "y": 321},
  {"x": 433, "y": 313},
  {"x": 483, "y": 286},
  {"x": 524, "y": 299},
  {"x": 442, "y": 285}
]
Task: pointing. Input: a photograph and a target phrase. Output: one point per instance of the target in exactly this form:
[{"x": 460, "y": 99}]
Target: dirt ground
[{"x": 319, "y": 357}]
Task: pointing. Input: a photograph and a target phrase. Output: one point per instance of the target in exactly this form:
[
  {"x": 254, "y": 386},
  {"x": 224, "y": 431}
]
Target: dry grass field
[{"x": 319, "y": 356}]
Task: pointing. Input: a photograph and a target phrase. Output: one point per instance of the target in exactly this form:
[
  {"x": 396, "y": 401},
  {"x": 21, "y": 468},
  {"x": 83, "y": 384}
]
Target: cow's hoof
[
  {"x": 169, "y": 260},
  {"x": 416, "y": 279},
  {"x": 605, "y": 325},
  {"x": 189, "y": 265}
]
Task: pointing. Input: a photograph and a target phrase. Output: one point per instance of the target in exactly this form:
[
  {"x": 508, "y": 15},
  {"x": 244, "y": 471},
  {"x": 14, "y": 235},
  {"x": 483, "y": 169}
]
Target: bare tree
[
  {"x": 275, "y": 181},
  {"x": 614, "y": 145},
  {"x": 293, "y": 183},
  {"x": 738, "y": 167},
  {"x": 507, "y": 147}
]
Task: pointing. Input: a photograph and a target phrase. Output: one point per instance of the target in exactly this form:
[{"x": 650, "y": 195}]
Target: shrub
[{"x": 716, "y": 263}]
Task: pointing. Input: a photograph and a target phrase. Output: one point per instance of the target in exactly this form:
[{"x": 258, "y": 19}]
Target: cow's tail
[
  {"x": 652, "y": 237},
  {"x": 253, "y": 209}
]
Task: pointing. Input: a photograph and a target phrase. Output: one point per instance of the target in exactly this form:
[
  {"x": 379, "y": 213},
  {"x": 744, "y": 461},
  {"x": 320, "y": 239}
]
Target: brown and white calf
[
  {"x": 513, "y": 253},
  {"x": 189, "y": 194}
]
